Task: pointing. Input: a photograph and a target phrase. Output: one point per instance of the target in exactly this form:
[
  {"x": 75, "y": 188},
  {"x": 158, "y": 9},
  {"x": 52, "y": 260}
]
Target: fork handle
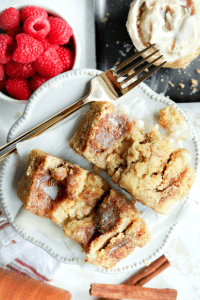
[{"x": 10, "y": 147}]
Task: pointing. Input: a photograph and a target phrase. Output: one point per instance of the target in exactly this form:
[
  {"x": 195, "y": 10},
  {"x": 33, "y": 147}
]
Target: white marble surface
[{"x": 184, "y": 249}]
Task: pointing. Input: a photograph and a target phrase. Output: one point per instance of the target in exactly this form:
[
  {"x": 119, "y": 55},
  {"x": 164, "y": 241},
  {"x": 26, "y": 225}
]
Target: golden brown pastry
[
  {"x": 174, "y": 25},
  {"x": 111, "y": 232},
  {"x": 78, "y": 190},
  {"x": 157, "y": 174},
  {"x": 106, "y": 224},
  {"x": 134, "y": 162},
  {"x": 105, "y": 132}
]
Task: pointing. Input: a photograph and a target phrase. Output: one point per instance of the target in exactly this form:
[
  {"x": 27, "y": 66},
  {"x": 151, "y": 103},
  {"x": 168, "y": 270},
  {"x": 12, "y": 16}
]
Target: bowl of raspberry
[{"x": 36, "y": 44}]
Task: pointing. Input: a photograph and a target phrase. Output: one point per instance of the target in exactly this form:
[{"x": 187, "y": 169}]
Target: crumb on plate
[{"x": 170, "y": 118}]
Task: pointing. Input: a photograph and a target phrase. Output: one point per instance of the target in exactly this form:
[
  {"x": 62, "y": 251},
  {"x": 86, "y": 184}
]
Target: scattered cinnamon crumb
[
  {"x": 170, "y": 83},
  {"x": 106, "y": 45},
  {"x": 198, "y": 71},
  {"x": 107, "y": 14},
  {"x": 181, "y": 93},
  {"x": 181, "y": 85},
  {"x": 90, "y": 73},
  {"x": 17, "y": 165},
  {"x": 20, "y": 114},
  {"x": 117, "y": 42},
  {"x": 194, "y": 82},
  {"x": 104, "y": 20},
  {"x": 162, "y": 79}
]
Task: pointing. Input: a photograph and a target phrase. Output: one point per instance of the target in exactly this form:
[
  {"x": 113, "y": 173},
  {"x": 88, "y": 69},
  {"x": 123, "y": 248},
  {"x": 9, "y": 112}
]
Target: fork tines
[{"x": 133, "y": 74}]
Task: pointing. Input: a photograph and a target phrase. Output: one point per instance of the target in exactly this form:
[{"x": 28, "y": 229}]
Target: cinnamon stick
[
  {"x": 131, "y": 292},
  {"x": 147, "y": 278},
  {"x": 151, "y": 271},
  {"x": 147, "y": 273}
]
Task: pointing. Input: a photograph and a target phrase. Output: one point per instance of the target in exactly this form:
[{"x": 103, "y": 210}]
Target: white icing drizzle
[
  {"x": 113, "y": 121},
  {"x": 123, "y": 108},
  {"x": 186, "y": 156},
  {"x": 52, "y": 191},
  {"x": 180, "y": 134},
  {"x": 28, "y": 222}
]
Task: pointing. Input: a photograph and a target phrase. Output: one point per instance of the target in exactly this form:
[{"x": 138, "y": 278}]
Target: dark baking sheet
[{"x": 113, "y": 44}]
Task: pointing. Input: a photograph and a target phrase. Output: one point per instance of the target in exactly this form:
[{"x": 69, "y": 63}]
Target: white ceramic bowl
[{"x": 76, "y": 43}]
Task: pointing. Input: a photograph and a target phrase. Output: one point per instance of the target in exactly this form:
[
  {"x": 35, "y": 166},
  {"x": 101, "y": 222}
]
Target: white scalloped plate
[{"x": 50, "y": 98}]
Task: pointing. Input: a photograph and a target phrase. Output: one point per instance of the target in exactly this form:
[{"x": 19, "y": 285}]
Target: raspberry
[
  {"x": 18, "y": 88},
  {"x": 1, "y": 72},
  {"x": 6, "y": 43},
  {"x": 66, "y": 55},
  {"x": 60, "y": 32},
  {"x": 38, "y": 27},
  {"x": 28, "y": 49},
  {"x": 49, "y": 64},
  {"x": 18, "y": 31},
  {"x": 9, "y": 20},
  {"x": 17, "y": 70},
  {"x": 2, "y": 84},
  {"x": 51, "y": 18},
  {"x": 37, "y": 81},
  {"x": 31, "y": 11},
  {"x": 47, "y": 44}
]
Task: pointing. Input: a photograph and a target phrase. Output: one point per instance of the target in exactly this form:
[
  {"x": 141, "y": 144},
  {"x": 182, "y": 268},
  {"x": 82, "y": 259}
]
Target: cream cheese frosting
[{"x": 174, "y": 25}]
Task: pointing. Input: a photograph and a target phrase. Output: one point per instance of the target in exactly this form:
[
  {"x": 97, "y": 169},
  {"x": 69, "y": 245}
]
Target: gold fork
[{"x": 104, "y": 87}]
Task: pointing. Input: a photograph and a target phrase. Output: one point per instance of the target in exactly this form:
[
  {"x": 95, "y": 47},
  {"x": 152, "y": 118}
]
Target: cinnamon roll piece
[
  {"x": 56, "y": 189},
  {"x": 134, "y": 162},
  {"x": 104, "y": 135},
  {"x": 174, "y": 25},
  {"x": 111, "y": 232},
  {"x": 161, "y": 176},
  {"x": 106, "y": 224}
]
